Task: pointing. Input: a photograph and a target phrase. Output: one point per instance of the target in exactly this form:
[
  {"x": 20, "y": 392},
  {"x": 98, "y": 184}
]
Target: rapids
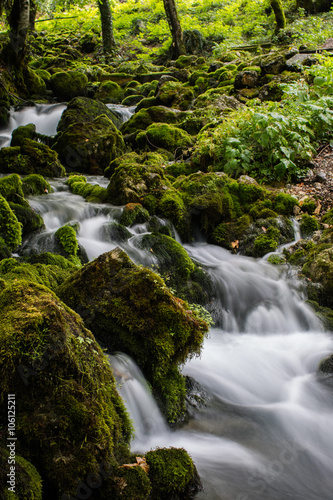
[{"x": 265, "y": 430}]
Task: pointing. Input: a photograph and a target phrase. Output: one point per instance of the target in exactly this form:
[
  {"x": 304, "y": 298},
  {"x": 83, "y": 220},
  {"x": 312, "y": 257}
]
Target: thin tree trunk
[
  {"x": 32, "y": 16},
  {"x": 175, "y": 28},
  {"x": 279, "y": 15},
  {"x": 19, "y": 25},
  {"x": 107, "y": 26}
]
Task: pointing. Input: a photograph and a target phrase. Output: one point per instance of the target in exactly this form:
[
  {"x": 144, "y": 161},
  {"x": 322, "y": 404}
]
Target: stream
[{"x": 265, "y": 431}]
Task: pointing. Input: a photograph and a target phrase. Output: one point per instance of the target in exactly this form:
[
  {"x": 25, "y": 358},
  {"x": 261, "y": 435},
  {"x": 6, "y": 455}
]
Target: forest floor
[{"x": 318, "y": 183}]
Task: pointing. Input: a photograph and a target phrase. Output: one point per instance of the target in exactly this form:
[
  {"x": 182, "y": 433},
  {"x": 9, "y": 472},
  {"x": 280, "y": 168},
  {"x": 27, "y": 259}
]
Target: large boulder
[
  {"x": 135, "y": 178},
  {"x": 83, "y": 109},
  {"x": 130, "y": 309},
  {"x": 65, "y": 392},
  {"x": 66, "y": 85},
  {"x": 165, "y": 136},
  {"x": 147, "y": 116},
  {"x": 31, "y": 157},
  {"x": 88, "y": 147}
]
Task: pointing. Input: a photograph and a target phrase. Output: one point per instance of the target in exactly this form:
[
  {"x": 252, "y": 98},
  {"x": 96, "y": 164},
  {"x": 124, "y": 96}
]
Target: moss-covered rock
[
  {"x": 89, "y": 147},
  {"x": 23, "y": 132},
  {"x": 172, "y": 474},
  {"x": 29, "y": 158},
  {"x": 130, "y": 309},
  {"x": 188, "y": 280},
  {"x": 326, "y": 365},
  {"x": 65, "y": 391},
  {"x": 27, "y": 482},
  {"x": 29, "y": 219},
  {"x": 35, "y": 184},
  {"x": 10, "y": 228},
  {"x": 115, "y": 232},
  {"x": 35, "y": 85},
  {"x": 45, "y": 271},
  {"x": 165, "y": 136},
  {"x": 308, "y": 225},
  {"x": 147, "y": 116},
  {"x": 319, "y": 268},
  {"x": 66, "y": 85},
  {"x": 175, "y": 95},
  {"x": 109, "y": 92},
  {"x": 133, "y": 213},
  {"x": 132, "y": 181},
  {"x": 83, "y": 109},
  {"x": 66, "y": 237}
]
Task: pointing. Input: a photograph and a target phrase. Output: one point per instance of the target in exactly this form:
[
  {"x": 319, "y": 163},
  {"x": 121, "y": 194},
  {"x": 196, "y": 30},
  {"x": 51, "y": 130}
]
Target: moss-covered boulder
[
  {"x": 31, "y": 158},
  {"x": 20, "y": 481},
  {"x": 65, "y": 392},
  {"x": 83, "y": 109},
  {"x": 326, "y": 365},
  {"x": 91, "y": 192},
  {"x": 147, "y": 116},
  {"x": 175, "y": 95},
  {"x": 10, "y": 228},
  {"x": 165, "y": 136},
  {"x": 134, "y": 213},
  {"x": 189, "y": 280},
  {"x": 130, "y": 309},
  {"x": 172, "y": 474},
  {"x": 89, "y": 147},
  {"x": 319, "y": 268},
  {"x": 109, "y": 92},
  {"x": 134, "y": 180},
  {"x": 34, "y": 84},
  {"x": 66, "y": 85},
  {"x": 67, "y": 243},
  {"x": 23, "y": 132},
  {"x": 35, "y": 184},
  {"x": 46, "y": 271}
]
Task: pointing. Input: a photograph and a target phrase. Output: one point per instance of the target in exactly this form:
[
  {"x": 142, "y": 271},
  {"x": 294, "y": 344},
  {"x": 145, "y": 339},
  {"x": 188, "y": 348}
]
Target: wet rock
[
  {"x": 246, "y": 79},
  {"x": 66, "y": 85},
  {"x": 130, "y": 309},
  {"x": 326, "y": 365}
]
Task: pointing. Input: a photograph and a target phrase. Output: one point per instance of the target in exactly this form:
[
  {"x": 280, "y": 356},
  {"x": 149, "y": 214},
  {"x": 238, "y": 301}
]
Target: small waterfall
[
  {"x": 133, "y": 388},
  {"x": 253, "y": 296},
  {"x": 124, "y": 112},
  {"x": 45, "y": 116}
]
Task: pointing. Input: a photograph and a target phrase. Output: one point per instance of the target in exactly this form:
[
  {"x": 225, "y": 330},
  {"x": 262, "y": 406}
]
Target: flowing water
[{"x": 265, "y": 430}]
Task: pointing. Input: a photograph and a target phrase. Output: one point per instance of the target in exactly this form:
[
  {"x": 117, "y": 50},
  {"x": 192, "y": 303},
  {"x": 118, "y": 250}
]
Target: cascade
[{"x": 265, "y": 432}]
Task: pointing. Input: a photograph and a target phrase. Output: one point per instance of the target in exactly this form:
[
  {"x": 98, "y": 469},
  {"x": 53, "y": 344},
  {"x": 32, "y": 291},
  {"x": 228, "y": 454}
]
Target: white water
[
  {"x": 44, "y": 116},
  {"x": 266, "y": 431}
]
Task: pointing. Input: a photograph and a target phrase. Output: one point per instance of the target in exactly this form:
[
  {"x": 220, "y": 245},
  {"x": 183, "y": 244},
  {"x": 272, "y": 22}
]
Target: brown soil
[{"x": 319, "y": 181}]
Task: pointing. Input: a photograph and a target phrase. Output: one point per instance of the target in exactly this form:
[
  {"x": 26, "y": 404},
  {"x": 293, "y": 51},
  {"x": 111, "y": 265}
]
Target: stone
[{"x": 246, "y": 79}]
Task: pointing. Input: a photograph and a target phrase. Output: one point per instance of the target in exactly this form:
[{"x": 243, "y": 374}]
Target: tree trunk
[
  {"x": 107, "y": 26},
  {"x": 175, "y": 28},
  {"x": 313, "y": 6},
  {"x": 32, "y": 16},
  {"x": 19, "y": 25},
  {"x": 279, "y": 15}
]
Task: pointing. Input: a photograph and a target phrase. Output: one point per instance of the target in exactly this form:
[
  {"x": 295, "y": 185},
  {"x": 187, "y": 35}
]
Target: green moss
[
  {"x": 67, "y": 238},
  {"x": 23, "y": 132},
  {"x": 130, "y": 483},
  {"x": 133, "y": 213},
  {"x": 298, "y": 257},
  {"x": 35, "y": 184},
  {"x": 276, "y": 260},
  {"x": 31, "y": 157},
  {"x": 65, "y": 390},
  {"x": 28, "y": 483},
  {"x": 83, "y": 110},
  {"x": 10, "y": 228},
  {"x": 135, "y": 177},
  {"x": 264, "y": 244},
  {"x": 284, "y": 204},
  {"x": 109, "y": 92},
  {"x": 162, "y": 135},
  {"x": 50, "y": 259},
  {"x": 130, "y": 309},
  {"x": 172, "y": 473},
  {"x": 308, "y": 206},
  {"x": 29, "y": 219},
  {"x": 175, "y": 95},
  {"x": 145, "y": 117},
  {"x": 308, "y": 224},
  {"x": 112, "y": 231},
  {"x": 4, "y": 250},
  {"x": 66, "y": 85},
  {"x": 88, "y": 147},
  {"x": 11, "y": 188},
  {"x": 34, "y": 83}
]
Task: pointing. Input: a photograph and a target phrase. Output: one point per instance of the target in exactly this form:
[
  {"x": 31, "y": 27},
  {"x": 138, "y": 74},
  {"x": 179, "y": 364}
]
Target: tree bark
[
  {"x": 32, "y": 16},
  {"x": 19, "y": 24},
  {"x": 107, "y": 26},
  {"x": 279, "y": 15},
  {"x": 175, "y": 28}
]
